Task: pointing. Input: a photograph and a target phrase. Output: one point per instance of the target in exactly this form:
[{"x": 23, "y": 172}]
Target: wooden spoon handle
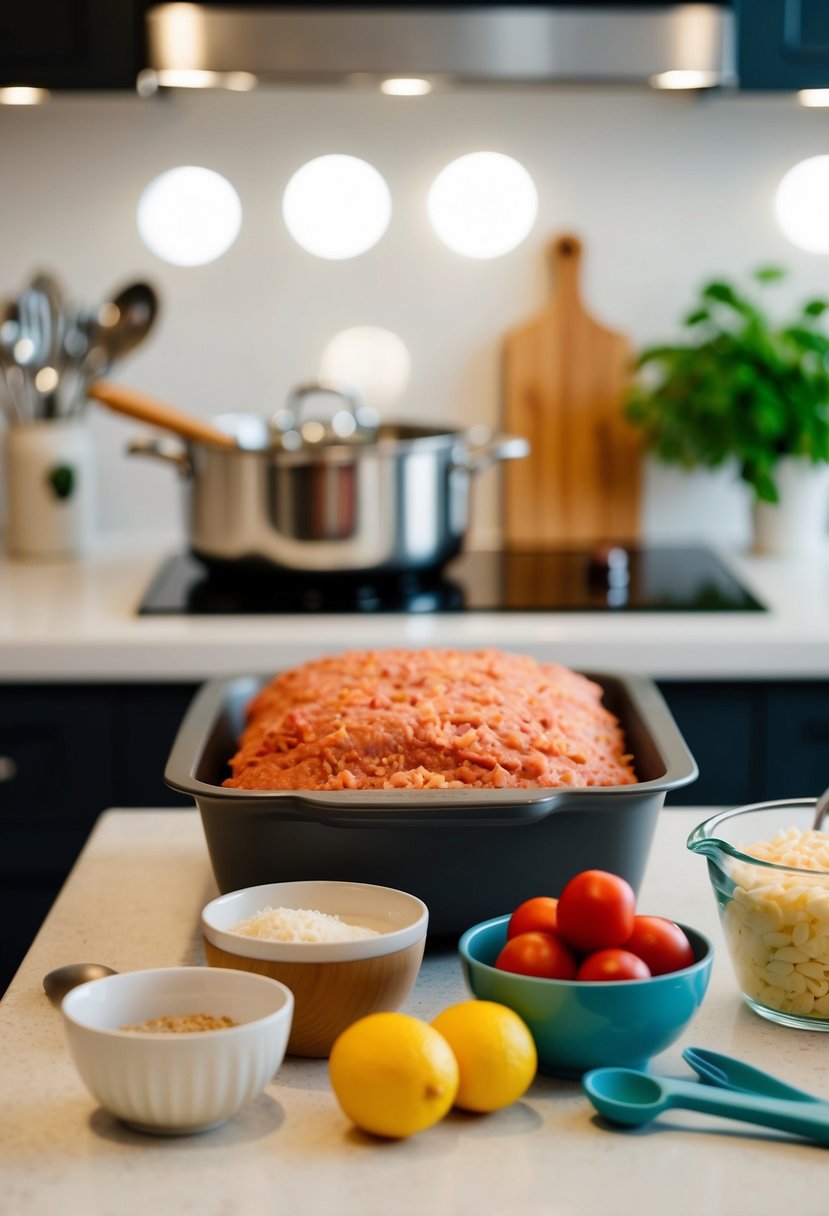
[{"x": 157, "y": 413}]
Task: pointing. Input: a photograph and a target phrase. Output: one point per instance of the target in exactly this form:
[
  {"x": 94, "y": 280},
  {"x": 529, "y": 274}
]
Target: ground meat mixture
[{"x": 429, "y": 719}]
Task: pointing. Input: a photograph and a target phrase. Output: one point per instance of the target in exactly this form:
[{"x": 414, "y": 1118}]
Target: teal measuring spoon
[
  {"x": 727, "y": 1073},
  {"x": 632, "y": 1098}
]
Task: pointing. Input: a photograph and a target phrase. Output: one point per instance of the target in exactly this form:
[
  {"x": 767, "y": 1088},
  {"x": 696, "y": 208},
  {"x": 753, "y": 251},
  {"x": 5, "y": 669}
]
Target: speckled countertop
[
  {"x": 133, "y": 901},
  {"x": 77, "y": 621}
]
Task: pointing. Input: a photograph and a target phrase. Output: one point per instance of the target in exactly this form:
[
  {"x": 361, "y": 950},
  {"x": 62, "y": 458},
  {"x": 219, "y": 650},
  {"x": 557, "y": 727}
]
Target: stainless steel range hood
[{"x": 456, "y": 45}]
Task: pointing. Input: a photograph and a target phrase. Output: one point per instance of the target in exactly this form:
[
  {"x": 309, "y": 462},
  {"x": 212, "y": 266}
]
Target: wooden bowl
[{"x": 334, "y": 983}]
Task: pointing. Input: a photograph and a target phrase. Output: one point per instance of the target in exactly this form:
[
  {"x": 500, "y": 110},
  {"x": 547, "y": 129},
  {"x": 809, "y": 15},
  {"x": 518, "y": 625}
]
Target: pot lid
[{"x": 323, "y": 413}]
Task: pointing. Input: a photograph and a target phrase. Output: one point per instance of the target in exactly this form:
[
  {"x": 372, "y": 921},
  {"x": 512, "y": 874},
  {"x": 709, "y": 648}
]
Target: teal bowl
[{"x": 578, "y": 1025}]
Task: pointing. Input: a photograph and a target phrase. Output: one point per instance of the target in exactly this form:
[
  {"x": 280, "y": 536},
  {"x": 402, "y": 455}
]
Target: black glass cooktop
[{"x": 609, "y": 579}]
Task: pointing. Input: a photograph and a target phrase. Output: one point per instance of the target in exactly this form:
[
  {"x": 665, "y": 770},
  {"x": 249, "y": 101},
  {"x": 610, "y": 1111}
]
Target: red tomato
[
  {"x": 613, "y": 965},
  {"x": 660, "y": 943},
  {"x": 596, "y": 910},
  {"x": 534, "y": 914},
  {"x": 540, "y": 954}
]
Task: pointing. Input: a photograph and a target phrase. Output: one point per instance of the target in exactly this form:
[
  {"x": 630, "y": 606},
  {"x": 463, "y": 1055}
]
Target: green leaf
[
  {"x": 737, "y": 386},
  {"x": 723, "y": 293},
  {"x": 769, "y": 274}
]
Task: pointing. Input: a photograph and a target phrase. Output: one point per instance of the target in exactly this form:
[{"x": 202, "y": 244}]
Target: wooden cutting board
[{"x": 565, "y": 377}]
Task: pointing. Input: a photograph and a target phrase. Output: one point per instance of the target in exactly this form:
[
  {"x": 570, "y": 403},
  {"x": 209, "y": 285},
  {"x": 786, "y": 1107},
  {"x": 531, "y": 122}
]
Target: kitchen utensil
[
  {"x": 396, "y": 503},
  {"x": 16, "y": 400},
  {"x": 57, "y": 983},
  {"x": 821, "y": 809},
  {"x": 632, "y": 1098},
  {"x": 94, "y": 340},
  {"x": 577, "y": 1024},
  {"x": 727, "y": 1073},
  {"x": 54, "y": 318},
  {"x": 773, "y": 916},
  {"x": 137, "y": 307},
  {"x": 158, "y": 413},
  {"x": 334, "y": 983},
  {"x": 462, "y": 851},
  {"x": 185, "y": 1082},
  {"x": 564, "y": 381},
  {"x": 50, "y": 352},
  {"x": 37, "y": 336}
]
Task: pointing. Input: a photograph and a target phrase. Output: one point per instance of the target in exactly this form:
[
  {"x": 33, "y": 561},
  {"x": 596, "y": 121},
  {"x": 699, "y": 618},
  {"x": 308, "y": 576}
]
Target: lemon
[
  {"x": 495, "y": 1052},
  {"x": 393, "y": 1074}
]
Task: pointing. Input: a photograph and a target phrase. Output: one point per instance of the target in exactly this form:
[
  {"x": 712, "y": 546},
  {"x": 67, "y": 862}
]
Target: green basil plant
[{"x": 739, "y": 386}]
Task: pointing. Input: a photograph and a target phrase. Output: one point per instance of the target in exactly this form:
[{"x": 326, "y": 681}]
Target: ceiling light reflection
[
  {"x": 685, "y": 78},
  {"x": 23, "y": 95},
  {"x": 802, "y": 204},
  {"x": 189, "y": 216},
  {"x": 406, "y": 86},
  {"x": 337, "y": 206},
  {"x": 376, "y": 360},
  {"x": 483, "y": 205},
  {"x": 813, "y": 98}
]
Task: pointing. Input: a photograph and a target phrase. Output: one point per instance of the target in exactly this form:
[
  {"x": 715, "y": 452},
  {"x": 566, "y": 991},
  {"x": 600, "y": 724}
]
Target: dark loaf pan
[{"x": 469, "y": 854}]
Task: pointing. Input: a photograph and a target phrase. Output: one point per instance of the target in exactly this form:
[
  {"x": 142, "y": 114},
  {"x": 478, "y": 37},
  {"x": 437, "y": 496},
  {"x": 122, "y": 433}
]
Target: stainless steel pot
[{"x": 397, "y": 500}]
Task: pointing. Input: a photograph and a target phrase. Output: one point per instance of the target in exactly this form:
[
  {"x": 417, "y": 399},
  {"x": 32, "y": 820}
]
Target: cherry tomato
[
  {"x": 540, "y": 954},
  {"x": 534, "y": 914},
  {"x": 660, "y": 943},
  {"x": 595, "y": 911},
  {"x": 613, "y": 965}
]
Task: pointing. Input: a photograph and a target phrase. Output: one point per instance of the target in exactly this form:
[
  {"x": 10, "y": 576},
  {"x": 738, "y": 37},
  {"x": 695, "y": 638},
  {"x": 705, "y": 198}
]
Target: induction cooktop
[{"x": 647, "y": 578}]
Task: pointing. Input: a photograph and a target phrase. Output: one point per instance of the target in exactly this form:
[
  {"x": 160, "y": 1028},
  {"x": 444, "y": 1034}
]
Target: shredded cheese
[{"x": 777, "y": 924}]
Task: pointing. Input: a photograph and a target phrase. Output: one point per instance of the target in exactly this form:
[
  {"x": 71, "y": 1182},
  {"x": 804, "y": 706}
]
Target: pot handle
[
  {"x": 480, "y": 456},
  {"x": 166, "y": 450}
]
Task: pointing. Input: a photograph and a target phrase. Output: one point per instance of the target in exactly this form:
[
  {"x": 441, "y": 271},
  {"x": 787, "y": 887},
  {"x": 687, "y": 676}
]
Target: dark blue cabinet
[
  {"x": 782, "y": 44},
  {"x": 67, "y": 752}
]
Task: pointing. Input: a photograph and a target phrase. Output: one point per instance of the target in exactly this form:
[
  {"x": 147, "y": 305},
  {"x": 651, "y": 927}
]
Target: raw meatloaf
[{"x": 427, "y": 719}]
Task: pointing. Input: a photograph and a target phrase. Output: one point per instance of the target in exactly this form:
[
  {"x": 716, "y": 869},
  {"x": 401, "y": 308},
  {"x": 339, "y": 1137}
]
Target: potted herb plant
[{"x": 742, "y": 387}]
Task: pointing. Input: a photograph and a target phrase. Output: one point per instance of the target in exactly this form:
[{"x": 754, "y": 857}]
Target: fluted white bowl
[{"x": 177, "y": 1083}]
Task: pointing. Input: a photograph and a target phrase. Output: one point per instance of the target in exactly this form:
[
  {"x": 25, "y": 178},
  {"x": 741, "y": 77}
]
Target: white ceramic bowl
[
  {"x": 177, "y": 1083},
  {"x": 334, "y": 983}
]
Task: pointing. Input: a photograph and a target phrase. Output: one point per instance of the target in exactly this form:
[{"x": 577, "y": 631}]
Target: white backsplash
[{"x": 665, "y": 190}]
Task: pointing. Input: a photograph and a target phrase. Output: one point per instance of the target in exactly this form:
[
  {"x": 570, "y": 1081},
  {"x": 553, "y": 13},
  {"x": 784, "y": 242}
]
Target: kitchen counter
[
  {"x": 133, "y": 901},
  {"x": 76, "y": 621}
]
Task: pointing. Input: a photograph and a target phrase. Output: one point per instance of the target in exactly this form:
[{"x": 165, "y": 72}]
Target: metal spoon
[
  {"x": 53, "y": 322},
  {"x": 821, "y": 807},
  {"x": 10, "y": 374},
  {"x": 33, "y": 347},
  {"x": 119, "y": 326},
  {"x": 632, "y": 1098},
  {"x": 727, "y": 1073},
  {"x": 57, "y": 983}
]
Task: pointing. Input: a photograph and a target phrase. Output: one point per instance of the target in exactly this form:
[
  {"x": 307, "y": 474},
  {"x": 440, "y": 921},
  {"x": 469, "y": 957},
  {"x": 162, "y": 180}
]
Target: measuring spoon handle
[{"x": 802, "y": 1119}]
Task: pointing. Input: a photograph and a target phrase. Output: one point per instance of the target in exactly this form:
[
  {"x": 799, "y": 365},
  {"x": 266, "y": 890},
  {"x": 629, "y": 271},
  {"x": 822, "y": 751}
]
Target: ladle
[
  {"x": 116, "y": 329},
  {"x": 632, "y": 1098},
  {"x": 727, "y": 1073},
  {"x": 137, "y": 306},
  {"x": 57, "y": 983},
  {"x": 158, "y": 413}
]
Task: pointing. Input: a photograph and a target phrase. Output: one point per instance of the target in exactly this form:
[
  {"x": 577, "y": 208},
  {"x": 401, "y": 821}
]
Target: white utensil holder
[{"x": 49, "y": 478}]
